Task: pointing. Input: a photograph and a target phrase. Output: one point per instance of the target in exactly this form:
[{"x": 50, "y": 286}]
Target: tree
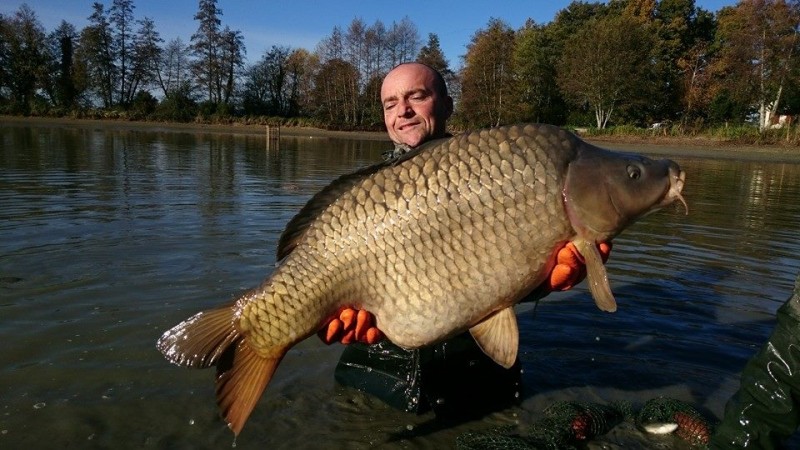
[
  {"x": 758, "y": 42},
  {"x": 535, "y": 57},
  {"x": 265, "y": 84},
  {"x": 96, "y": 54},
  {"x": 232, "y": 61},
  {"x": 180, "y": 105},
  {"x": 402, "y": 42},
  {"x": 606, "y": 65},
  {"x": 205, "y": 46},
  {"x": 300, "y": 69},
  {"x": 145, "y": 56},
  {"x": 219, "y": 55},
  {"x": 488, "y": 77},
  {"x": 173, "y": 67},
  {"x": 372, "y": 51},
  {"x": 570, "y": 20},
  {"x": 682, "y": 52},
  {"x": 331, "y": 47},
  {"x": 26, "y": 60},
  {"x": 121, "y": 20},
  {"x": 336, "y": 93},
  {"x": 375, "y": 56},
  {"x": 355, "y": 47},
  {"x": 66, "y": 85},
  {"x": 431, "y": 54}
]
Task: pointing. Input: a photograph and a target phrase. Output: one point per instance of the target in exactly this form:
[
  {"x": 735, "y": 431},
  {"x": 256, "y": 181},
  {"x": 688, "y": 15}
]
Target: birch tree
[
  {"x": 758, "y": 58},
  {"x": 606, "y": 65}
]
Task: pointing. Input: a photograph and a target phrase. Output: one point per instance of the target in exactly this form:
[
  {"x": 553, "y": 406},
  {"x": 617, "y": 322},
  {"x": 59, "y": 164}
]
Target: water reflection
[{"x": 109, "y": 237}]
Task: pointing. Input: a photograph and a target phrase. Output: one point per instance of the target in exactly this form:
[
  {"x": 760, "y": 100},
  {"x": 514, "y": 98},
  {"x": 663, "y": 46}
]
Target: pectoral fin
[
  {"x": 596, "y": 276},
  {"x": 498, "y": 337}
]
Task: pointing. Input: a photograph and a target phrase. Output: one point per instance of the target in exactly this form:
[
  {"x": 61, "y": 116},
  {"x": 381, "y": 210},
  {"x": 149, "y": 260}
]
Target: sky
[{"x": 304, "y": 23}]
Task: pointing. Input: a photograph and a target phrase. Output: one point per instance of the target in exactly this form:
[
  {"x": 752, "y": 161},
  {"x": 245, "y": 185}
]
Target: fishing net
[
  {"x": 567, "y": 425},
  {"x": 691, "y": 425}
]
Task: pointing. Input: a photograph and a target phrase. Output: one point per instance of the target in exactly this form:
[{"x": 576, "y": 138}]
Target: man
[{"x": 449, "y": 376}]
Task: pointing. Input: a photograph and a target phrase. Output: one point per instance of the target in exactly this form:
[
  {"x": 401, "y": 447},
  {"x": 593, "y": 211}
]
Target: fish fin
[
  {"x": 200, "y": 340},
  {"x": 596, "y": 276},
  {"x": 242, "y": 376},
  {"x": 498, "y": 337}
]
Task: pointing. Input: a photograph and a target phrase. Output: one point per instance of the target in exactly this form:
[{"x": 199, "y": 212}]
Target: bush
[
  {"x": 177, "y": 107},
  {"x": 143, "y": 105}
]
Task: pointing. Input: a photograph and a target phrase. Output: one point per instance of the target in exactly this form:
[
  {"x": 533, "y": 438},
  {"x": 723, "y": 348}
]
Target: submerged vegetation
[{"x": 625, "y": 67}]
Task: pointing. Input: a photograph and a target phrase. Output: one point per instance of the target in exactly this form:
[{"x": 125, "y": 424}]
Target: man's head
[{"x": 415, "y": 104}]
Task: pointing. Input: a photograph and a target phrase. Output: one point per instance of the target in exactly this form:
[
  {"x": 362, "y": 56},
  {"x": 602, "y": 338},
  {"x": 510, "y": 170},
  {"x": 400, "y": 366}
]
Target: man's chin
[{"x": 412, "y": 139}]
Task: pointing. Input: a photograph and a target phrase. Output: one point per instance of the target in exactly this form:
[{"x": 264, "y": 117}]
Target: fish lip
[{"x": 677, "y": 179}]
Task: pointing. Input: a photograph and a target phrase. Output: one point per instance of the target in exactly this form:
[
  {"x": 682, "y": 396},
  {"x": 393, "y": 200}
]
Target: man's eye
[{"x": 388, "y": 106}]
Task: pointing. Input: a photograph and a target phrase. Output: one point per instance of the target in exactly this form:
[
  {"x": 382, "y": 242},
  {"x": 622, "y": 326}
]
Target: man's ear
[{"x": 448, "y": 107}]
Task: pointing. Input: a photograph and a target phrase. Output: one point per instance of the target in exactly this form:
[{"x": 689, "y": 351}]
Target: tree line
[{"x": 624, "y": 62}]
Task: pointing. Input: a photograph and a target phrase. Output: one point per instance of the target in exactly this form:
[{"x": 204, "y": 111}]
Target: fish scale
[{"x": 446, "y": 238}]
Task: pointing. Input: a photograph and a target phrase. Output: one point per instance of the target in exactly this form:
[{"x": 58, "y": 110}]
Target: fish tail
[
  {"x": 211, "y": 338},
  {"x": 242, "y": 376}
]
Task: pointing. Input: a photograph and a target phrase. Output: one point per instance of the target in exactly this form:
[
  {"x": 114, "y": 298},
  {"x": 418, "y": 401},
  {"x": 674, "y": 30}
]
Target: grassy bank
[{"x": 728, "y": 135}]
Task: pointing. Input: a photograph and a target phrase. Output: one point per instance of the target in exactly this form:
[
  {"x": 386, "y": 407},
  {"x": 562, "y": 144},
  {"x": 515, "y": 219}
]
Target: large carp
[{"x": 445, "y": 239}]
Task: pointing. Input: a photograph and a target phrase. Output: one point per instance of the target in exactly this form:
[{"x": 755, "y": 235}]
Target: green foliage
[
  {"x": 535, "y": 59},
  {"x": 488, "y": 79},
  {"x": 143, "y": 105},
  {"x": 758, "y": 47},
  {"x": 725, "y": 108},
  {"x": 178, "y": 106},
  {"x": 608, "y": 65},
  {"x": 24, "y": 59},
  {"x": 432, "y": 55}
]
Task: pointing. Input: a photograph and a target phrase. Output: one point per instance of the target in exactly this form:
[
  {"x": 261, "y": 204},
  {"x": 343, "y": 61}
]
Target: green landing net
[{"x": 568, "y": 425}]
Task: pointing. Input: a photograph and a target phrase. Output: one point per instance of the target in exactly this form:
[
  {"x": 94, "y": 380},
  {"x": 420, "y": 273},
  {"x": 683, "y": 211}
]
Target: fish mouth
[{"x": 677, "y": 179}]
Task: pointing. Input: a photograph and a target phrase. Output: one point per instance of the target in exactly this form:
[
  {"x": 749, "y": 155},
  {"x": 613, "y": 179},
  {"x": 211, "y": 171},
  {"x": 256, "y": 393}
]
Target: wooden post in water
[{"x": 273, "y": 134}]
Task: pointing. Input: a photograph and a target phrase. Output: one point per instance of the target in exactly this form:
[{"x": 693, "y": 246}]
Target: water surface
[{"x": 108, "y": 238}]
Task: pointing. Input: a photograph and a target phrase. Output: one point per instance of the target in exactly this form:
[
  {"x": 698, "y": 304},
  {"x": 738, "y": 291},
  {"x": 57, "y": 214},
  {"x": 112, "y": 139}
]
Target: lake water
[{"x": 110, "y": 237}]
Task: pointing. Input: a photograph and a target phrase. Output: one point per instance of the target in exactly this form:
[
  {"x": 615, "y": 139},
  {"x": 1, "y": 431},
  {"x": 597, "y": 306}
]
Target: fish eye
[{"x": 634, "y": 172}]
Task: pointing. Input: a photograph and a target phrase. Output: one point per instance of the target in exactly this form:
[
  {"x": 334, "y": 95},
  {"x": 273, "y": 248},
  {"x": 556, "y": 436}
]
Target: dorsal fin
[{"x": 297, "y": 227}]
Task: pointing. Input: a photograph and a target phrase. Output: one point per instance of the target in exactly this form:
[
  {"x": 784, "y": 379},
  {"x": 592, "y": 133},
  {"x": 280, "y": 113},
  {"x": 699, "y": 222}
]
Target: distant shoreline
[
  {"x": 703, "y": 147},
  {"x": 232, "y": 128}
]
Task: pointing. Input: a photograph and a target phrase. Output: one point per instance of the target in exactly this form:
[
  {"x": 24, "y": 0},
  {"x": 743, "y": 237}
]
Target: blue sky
[{"x": 303, "y": 23}]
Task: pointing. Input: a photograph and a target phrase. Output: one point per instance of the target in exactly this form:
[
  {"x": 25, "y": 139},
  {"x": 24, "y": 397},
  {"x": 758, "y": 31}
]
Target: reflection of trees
[
  {"x": 733, "y": 205},
  {"x": 319, "y": 160},
  {"x": 751, "y": 193}
]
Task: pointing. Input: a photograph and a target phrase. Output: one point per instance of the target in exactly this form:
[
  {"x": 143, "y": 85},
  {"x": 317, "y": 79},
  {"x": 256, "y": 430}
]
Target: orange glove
[
  {"x": 570, "y": 268},
  {"x": 352, "y": 325}
]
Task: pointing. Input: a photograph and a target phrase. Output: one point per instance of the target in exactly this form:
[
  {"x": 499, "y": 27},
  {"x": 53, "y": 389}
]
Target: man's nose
[{"x": 404, "y": 109}]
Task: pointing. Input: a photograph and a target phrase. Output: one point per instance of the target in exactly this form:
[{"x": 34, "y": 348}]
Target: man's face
[{"x": 413, "y": 110}]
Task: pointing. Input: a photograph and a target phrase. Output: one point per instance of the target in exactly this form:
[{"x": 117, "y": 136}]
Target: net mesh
[{"x": 566, "y": 425}]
